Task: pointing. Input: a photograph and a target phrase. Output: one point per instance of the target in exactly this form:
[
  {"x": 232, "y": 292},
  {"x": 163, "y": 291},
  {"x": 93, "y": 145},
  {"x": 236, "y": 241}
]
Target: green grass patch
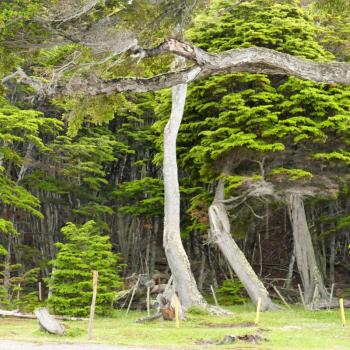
[{"x": 284, "y": 329}]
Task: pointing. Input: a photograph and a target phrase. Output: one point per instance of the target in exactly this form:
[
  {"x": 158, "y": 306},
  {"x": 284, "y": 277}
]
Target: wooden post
[
  {"x": 257, "y": 316},
  {"x": 301, "y": 296},
  {"x": 40, "y": 292},
  {"x": 281, "y": 297},
  {"x": 132, "y": 295},
  {"x": 148, "y": 301},
  {"x": 92, "y": 308},
  {"x": 214, "y": 295},
  {"x": 342, "y": 313},
  {"x": 18, "y": 290},
  {"x": 177, "y": 313},
  {"x": 331, "y": 297}
]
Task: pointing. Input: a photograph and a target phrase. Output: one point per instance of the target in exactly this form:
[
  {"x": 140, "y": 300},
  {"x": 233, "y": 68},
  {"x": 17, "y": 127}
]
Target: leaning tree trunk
[
  {"x": 315, "y": 292},
  {"x": 220, "y": 233},
  {"x": 174, "y": 250}
]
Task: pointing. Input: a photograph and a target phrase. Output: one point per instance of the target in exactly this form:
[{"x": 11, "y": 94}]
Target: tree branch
[{"x": 250, "y": 60}]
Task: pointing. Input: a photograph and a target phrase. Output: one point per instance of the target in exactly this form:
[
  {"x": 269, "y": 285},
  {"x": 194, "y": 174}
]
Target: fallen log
[
  {"x": 16, "y": 313},
  {"x": 48, "y": 323}
]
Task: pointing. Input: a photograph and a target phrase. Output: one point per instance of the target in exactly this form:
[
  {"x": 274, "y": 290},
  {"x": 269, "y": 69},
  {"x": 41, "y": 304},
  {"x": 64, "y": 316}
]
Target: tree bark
[
  {"x": 221, "y": 235},
  {"x": 305, "y": 254},
  {"x": 174, "y": 250},
  {"x": 248, "y": 60}
]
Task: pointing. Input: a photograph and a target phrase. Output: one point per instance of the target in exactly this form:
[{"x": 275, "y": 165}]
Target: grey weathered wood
[
  {"x": 40, "y": 292},
  {"x": 148, "y": 302},
  {"x": 220, "y": 234},
  {"x": 47, "y": 322},
  {"x": 214, "y": 295},
  {"x": 281, "y": 297},
  {"x": 301, "y": 296},
  {"x": 17, "y": 314},
  {"x": 93, "y": 303},
  {"x": 331, "y": 296},
  {"x": 304, "y": 252},
  {"x": 179, "y": 264},
  {"x": 247, "y": 60}
]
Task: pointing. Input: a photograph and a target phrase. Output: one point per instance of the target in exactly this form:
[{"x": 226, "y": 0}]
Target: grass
[{"x": 285, "y": 329}]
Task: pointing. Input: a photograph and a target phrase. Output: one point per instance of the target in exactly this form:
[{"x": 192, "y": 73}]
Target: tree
[
  {"x": 84, "y": 251},
  {"x": 254, "y": 60},
  {"x": 243, "y": 125},
  {"x": 20, "y": 138}
]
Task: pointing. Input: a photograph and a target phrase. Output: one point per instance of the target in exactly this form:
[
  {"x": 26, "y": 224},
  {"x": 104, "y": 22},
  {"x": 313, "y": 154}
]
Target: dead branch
[
  {"x": 17, "y": 314},
  {"x": 77, "y": 13}
]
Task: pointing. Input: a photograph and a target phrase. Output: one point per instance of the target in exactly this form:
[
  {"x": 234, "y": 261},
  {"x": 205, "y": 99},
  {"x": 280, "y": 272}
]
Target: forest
[{"x": 187, "y": 150}]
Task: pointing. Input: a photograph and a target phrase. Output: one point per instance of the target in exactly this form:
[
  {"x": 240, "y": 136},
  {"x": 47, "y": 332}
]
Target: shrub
[
  {"x": 231, "y": 292},
  {"x": 85, "y": 250}
]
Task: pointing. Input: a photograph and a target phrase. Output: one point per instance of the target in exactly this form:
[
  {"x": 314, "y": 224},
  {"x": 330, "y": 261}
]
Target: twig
[
  {"x": 214, "y": 295},
  {"x": 148, "y": 301},
  {"x": 331, "y": 297},
  {"x": 281, "y": 297},
  {"x": 132, "y": 295},
  {"x": 301, "y": 296}
]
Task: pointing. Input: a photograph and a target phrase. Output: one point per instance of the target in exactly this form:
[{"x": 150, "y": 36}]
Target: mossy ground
[{"x": 284, "y": 329}]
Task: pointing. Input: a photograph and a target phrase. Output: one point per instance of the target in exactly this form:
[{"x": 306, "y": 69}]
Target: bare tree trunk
[
  {"x": 305, "y": 254},
  {"x": 220, "y": 233},
  {"x": 176, "y": 256},
  {"x": 332, "y": 259},
  {"x": 289, "y": 278}
]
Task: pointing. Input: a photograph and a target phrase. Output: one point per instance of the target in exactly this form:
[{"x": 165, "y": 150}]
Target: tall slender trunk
[
  {"x": 176, "y": 256},
  {"x": 220, "y": 233},
  {"x": 304, "y": 252}
]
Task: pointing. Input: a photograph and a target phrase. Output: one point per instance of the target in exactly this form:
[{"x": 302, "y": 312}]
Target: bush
[{"x": 85, "y": 250}]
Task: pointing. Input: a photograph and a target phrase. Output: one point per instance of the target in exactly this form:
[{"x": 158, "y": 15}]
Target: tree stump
[{"x": 48, "y": 322}]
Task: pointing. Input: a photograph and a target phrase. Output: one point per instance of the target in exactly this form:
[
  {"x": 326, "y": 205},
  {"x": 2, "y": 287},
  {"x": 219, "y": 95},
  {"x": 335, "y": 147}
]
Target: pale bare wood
[
  {"x": 93, "y": 303},
  {"x": 301, "y": 296},
  {"x": 281, "y": 296},
  {"x": 256, "y": 60},
  {"x": 148, "y": 302},
  {"x": 40, "y": 292},
  {"x": 17, "y": 314},
  {"x": 331, "y": 296},
  {"x": 132, "y": 295},
  {"x": 47, "y": 322},
  {"x": 214, "y": 295}
]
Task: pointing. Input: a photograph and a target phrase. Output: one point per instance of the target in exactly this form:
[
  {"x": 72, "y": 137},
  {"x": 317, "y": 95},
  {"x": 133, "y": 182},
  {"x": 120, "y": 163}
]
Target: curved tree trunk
[
  {"x": 221, "y": 234},
  {"x": 305, "y": 254},
  {"x": 174, "y": 250}
]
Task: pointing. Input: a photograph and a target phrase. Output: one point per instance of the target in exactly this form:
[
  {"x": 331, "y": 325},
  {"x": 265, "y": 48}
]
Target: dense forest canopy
[{"x": 263, "y": 147}]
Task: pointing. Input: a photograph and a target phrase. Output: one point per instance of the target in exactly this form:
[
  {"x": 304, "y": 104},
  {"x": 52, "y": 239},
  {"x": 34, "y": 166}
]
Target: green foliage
[
  {"x": 233, "y": 122},
  {"x": 231, "y": 292},
  {"x": 84, "y": 251},
  {"x": 293, "y": 174},
  {"x": 7, "y": 227},
  {"x": 12, "y": 194},
  {"x": 22, "y": 287},
  {"x": 198, "y": 311},
  {"x": 281, "y": 26},
  {"x": 144, "y": 197},
  {"x": 26, "y": 287},
  {"x": 198, "y": 211}
]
